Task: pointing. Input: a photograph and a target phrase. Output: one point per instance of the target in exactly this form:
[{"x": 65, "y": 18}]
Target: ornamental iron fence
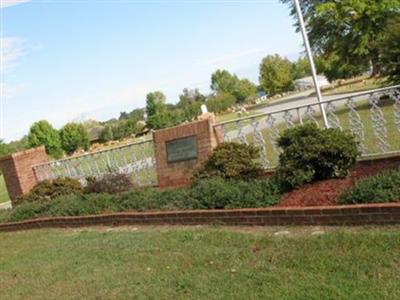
[
  {"x": 373, "y": 117},
  {"x": 136, "y": 159}
]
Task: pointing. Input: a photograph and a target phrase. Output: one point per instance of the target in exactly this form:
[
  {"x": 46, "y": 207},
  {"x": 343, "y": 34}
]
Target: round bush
[
  {"x": 311, "y": 154},
  {"x": 110, "y": 183},
  {"x": 232, "y": 161}
]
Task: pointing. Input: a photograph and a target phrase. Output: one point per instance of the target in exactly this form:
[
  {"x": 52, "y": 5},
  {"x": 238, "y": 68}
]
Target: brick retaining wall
[{"x": 388, "y": 213}]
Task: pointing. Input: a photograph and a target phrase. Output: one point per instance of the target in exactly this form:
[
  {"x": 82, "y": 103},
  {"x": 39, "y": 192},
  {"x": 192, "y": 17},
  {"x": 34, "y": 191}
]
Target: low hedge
[
  {"x": 383, "y": 187},
  {"x": 205, "y": 194}
]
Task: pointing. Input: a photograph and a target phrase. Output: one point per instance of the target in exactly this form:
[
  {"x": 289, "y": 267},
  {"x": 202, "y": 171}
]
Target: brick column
[
  {"x": 18, "y": 173},
  {"x": 189, "y": 146}
]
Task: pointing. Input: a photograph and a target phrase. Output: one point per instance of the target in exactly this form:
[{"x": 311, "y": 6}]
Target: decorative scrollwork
[
  {"x": 356, "y": 125},
  {"x": 260, "y": 142},
  {"x": 273, "y": 132},
  {"x": 240, "y": 134},
  {"x": 395, "y": 95},
  {"x": 225, "y": 134},
  {"x": 333, "y": 119},
  {"x": 379, "y": 123},
  {"x": 288, "y": 117},
  {"x": 310, "y": 115}
]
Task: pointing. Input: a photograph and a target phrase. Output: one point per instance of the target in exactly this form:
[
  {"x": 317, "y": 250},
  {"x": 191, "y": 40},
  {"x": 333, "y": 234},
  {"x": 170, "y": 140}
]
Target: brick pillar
[
  {"x": 180, "y": 150},
  {"x": 18, "y": 173}
]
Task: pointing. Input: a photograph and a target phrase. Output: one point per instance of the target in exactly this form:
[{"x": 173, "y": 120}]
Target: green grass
[
  {"x": 3, "y": 191},
  {"x": 200, "y": 263}
]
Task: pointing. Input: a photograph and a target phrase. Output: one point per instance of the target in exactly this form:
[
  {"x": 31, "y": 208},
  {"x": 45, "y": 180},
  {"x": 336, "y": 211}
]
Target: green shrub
[
  {"x": 113, "y": 183},
  {"x": 50, "y": 189},
  {"x": 219, "y": 193},
  {"x": 205, "y": 194},
  {"x": 383, "y": 187},
  {"x": 74, "y": 136},
  {"x": 232, "y": 161},
  {"x": 311, "y": 154},
  {"x": 220, "y": 102}
]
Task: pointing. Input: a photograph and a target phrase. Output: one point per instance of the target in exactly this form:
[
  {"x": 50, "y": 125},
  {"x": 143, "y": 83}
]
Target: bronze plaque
[{"x": 182, "y": 149}]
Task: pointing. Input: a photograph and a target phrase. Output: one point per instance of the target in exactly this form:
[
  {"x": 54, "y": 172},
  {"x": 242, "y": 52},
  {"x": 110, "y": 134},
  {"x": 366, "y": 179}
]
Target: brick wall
[
  {"x": 388, "y": 213},
  {"x": 18, "y": 173},
  {"x": 179, "y": 173}
]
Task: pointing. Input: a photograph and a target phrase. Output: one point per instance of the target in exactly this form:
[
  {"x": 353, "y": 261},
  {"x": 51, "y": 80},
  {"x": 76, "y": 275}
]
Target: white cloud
[
  {"x": 229, "y": 57},
  {"x": 8, "y": 3},
  {"x": 11, "y": 49}
]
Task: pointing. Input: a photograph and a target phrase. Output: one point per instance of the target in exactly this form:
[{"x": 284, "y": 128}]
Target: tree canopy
[
  {"x": 74, "y": 136},
  {"x": 346, "y": 32},
  {"x": 42, "y": 133},
  {"x": 276, "y": 74}
]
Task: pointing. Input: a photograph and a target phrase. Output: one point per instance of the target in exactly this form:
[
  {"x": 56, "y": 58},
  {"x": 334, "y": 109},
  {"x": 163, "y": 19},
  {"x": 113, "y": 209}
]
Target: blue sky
[{"x": 74, "y": 60}]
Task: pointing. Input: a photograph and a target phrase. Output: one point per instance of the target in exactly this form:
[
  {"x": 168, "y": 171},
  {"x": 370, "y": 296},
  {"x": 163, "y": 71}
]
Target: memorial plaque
[{"x": 182, "y": 149}]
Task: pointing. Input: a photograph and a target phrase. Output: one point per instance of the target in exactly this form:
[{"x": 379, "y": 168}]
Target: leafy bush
[
  {"x": 311, "y": 154},
  {"x": 109, "y": 183},
  {"x": 383, "y": 187},
  {"x": 220, "y": 193},
  {"x": 42, "y": 133},
  {"x": 205, "y": 194},
  {"x": 74, "y": 136},
  {"x": 49, "y": 190},
  {"x": 232, "y": 161}
]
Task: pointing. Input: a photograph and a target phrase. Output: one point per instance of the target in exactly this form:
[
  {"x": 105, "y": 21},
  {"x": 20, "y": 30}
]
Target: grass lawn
[
  {"x": 364, "y": 85},
  {"x": 3, "y": 190},
  {"x": 201, "y": 263}
]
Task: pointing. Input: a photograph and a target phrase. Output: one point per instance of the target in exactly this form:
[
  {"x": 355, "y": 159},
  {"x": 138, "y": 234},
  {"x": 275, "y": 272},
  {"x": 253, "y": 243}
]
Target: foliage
[
  {"x": 347, "y": 31},
  {"x": 42, "y": 133},
  {"x": 190, "y": 102},
  {"x": 74, "y": 136},
  {"x": 390, "y": 48},
  {"x": 109, "y": 183},
  {"x": 232, "y": 161},
  {"x": 301, "y": 68},
  {"x": 221, "y": 102},
  {"x": 213, "y": 193},
  {"x": 383, "y": 187},
  {"x": 155, "y": 103},
  {"x": 165, "y": 119},
  {"x": 224, "y": 82},
  {"x": 4, "y": 148},
  {"x": 220, "y": 193},
  {"x": 51, "y": 189},
  {"x": 244, "y": 89},
  {"x": 107, "y": 134},
  {"x": 310, "y": 154},
  {"x": 276, "y": 74},
  {"x": 136, "y": 114}
]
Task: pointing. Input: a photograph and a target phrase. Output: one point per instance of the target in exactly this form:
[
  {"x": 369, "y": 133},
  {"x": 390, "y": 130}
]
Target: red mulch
[{"x": 326, "y": 192}]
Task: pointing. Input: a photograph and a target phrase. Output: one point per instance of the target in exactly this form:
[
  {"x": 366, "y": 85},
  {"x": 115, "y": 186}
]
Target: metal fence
[
  {"x": 372, "y": 116},
  {"x": 136, "y": 159}
]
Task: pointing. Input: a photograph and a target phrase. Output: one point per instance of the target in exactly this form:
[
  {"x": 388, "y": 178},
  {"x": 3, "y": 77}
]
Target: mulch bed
[{"x": 326, "y": 192}]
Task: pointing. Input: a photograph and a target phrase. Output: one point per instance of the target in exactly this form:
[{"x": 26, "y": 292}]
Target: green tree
[
  {"x": 220, "y": 102},
  {"x": 74, "y": 136},
  {"x": 42, "y": 133},
  {"x": 190, "y": 102},
  {"x": 244, "y": 89},
  {"x": 165, "y": 119},
  {"x": 106, "y": 134},
  {"x": 390, "y": 48},
  {"x": 301, "y": 68},
  {"x": 223, "y": 81},
  {"x": 347, "y": 32},
  {"x": 276, "y": 74},
  {"x": 4, "y": 148},
  {"x": 155, "y": 103}
]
